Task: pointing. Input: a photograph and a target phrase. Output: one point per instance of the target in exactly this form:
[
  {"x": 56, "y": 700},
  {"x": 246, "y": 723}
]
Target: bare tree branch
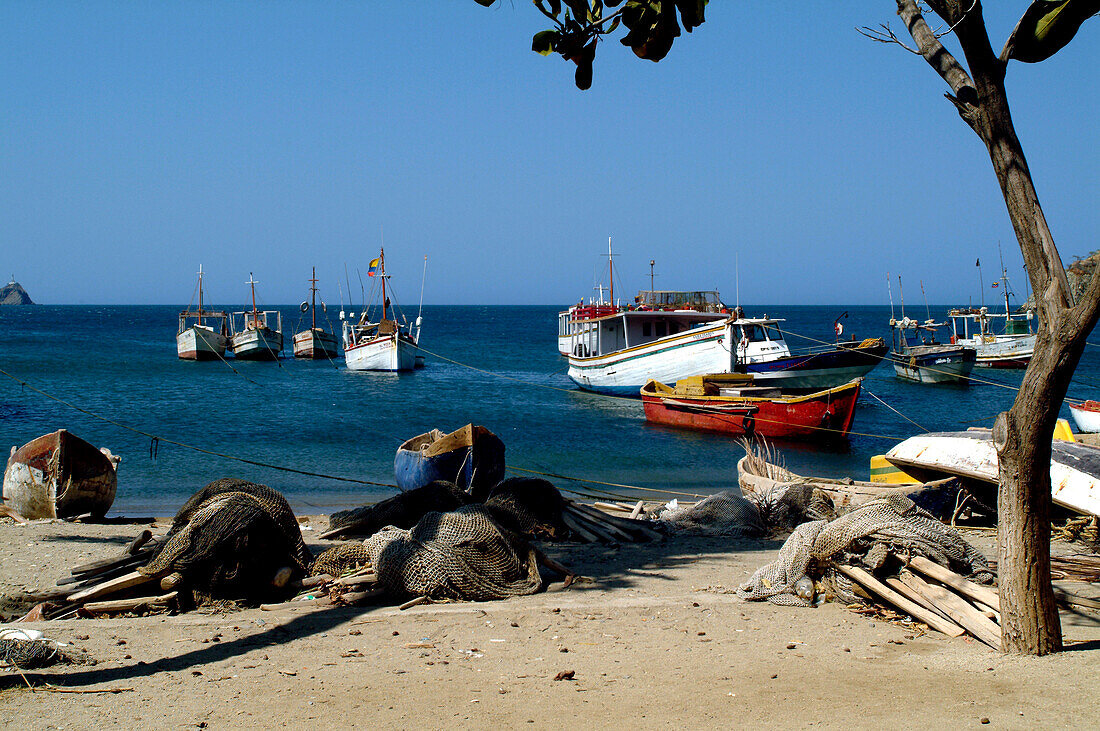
[
  {"x": 884, "y": 35},
  {"x": 938, "y": 57}
]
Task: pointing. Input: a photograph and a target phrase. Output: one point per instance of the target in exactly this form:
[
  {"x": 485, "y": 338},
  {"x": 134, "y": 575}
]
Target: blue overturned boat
[{"x": 471, "y": 457}]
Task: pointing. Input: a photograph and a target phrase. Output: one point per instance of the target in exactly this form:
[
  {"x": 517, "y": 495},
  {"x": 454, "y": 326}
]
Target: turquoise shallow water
[{"x": 120, "y": 362}]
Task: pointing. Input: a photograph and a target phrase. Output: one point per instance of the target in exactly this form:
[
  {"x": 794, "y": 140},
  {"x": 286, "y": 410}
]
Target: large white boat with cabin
[
  {"x": 257, "y": 334},
  {"x": 382, "y": 344},
  {"x": 202, "y": 334}
]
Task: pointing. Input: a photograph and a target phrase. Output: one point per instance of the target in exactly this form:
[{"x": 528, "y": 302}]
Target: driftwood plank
[
  {"x": 898, "y": 586},
  {"x": 961, "y": 584},
  {"x": 573, "y": 525},
  {"x": 126, "y": 581},
  {"x": 127, "y": 605},
  {"x": 598, "y": 524},
  {"x": 637, "y": 511},
  {"x": 957, "y": 608},
  {"x": 914, "y": 610}
]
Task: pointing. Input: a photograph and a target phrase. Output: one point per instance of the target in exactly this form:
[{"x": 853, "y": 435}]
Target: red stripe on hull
[{"x": 819, "y": 418}]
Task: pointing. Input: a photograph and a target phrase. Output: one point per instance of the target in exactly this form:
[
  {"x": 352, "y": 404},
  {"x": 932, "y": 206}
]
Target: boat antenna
[
  {"x": 901, "y": 292},
  {"x": 927, "y": 314},
  {"x": 348, "y": 280},
  {"x": 313, "y": 297},
  {"x": 890, "y": 293},
  {"x": 981, "y": 284},
  {"x": 423, "y": 274},
  {"x": 362, "y": 288},
  {"x": 737, "y": 276},
  {"x": 382, "y": 266},
  {"x": 1004, "y": 280},
  {"x": 651, "y": 263},
  {"x": 255, "y": 312}
]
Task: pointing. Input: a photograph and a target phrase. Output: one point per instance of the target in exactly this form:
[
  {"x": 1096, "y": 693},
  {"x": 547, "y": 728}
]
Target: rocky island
[{"x": 13, "y": 293}]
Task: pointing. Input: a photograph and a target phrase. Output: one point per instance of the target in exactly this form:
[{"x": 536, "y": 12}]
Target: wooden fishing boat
[
  {"x": 260, "y": 334},
  {"x": 60, "y": 475},
  {"x": 732, "y": 404},
  {"x": 384, "y": 344},
  {"x": 471, "y": 457},
  {"x": 316, "y": 342},
  {"x": 202, "y": 335},
  {"x": 1074, "y": 467},
  {"x": 917, "y": 356},
  {"x": 845, "y": 493},
  {"x": 1086, "y": 416},
  {"x": 1008, "y": 345}
]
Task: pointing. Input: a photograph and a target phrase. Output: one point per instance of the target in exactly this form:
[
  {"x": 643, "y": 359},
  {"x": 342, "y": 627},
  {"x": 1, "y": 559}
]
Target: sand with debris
[{"x": 647, "y": 638}]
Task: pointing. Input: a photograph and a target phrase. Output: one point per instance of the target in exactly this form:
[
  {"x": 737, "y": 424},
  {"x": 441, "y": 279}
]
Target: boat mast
[
  {"x": 313, "y": 297},
  {"x": 255, "y": 312},
  {"x": 651, "y": 263},
  {"x": 200, "y": 295},
  {"x": 901, "y": 292},
  {"x": 382, "y": 264},
  {"x": 890, "y": 293},
  {"x": 610, "y": 271}
]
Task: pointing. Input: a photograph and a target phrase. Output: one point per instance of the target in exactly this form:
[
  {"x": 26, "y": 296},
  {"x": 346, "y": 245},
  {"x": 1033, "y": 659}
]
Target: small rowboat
[
  {"x": 1086, "y": 416},
  {"x": 60, "y": 475},
  {"x": 730, "y": 403},
  {"x": 471, "y": 457}
]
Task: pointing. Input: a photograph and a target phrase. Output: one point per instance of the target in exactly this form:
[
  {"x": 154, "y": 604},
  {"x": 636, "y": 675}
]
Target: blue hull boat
[{"x": 471, "y": 457}]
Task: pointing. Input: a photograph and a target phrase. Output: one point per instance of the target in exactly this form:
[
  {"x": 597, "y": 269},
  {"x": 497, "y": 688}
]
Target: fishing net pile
[
  {"x": 230, "y": 540},
  {"x": 341, "y": 559},
  {"x": 463, "y": 554},
  {"x": 722, "y": 514},
  {"x": 28, "y": 650},
  {"x": 529, "y": 506},
  {"x": 402, "y": 510},
  {"x": 866, "y": 535}
]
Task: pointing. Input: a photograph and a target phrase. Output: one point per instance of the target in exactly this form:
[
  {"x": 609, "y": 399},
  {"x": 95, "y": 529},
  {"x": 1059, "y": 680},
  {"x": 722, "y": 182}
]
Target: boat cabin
[
  {"x": 257, "y": 320},
  {"x": 981, "y": 323},
  {"x": 909, "y": 334},
  {"x": 211, "y": 320}
]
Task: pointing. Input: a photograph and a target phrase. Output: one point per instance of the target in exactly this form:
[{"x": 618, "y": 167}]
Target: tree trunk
[{"x": 1022, "y": 435}]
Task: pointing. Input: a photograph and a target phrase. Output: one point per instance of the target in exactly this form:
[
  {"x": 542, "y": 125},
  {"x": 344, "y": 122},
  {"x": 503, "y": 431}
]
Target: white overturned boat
[
  {"x": 1074, "y": 467},
  {"x": 202, "y": 335},
  {"x": 1086, "y": 416},
  {"x": 384, "y": 344}
]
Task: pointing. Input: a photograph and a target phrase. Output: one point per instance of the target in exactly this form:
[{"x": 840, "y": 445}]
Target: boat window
[
  {"x": 660, "y": 328},
  {"x": 772, "y": 332},
  {"x": 673, "y": 328},
  {"x": 647, "y": 329},
  {"x": 753, "y": 333}
]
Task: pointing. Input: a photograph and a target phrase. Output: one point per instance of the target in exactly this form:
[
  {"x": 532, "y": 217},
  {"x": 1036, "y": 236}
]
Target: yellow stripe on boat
[{"x": 883, "y": 471}]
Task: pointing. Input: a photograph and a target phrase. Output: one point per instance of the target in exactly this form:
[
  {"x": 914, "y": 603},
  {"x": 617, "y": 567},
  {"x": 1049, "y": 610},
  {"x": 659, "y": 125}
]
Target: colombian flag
[{"x": 373, "y": 266}]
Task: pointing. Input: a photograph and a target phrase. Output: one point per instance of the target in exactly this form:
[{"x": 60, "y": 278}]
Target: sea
[{"x": 110, "y": 375}]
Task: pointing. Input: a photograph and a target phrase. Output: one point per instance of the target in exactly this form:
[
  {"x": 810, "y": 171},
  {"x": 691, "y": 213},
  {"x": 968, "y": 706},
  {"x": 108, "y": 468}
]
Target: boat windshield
[
  {"x": 920, "y": 336},
  {"x": 772, "y": 332},
  {"x": 753, "y": 333}
]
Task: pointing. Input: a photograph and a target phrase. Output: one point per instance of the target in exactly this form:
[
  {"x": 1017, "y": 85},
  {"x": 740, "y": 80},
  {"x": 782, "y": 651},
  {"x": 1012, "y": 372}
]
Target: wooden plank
[
  {"x": 304, "y": 604},
  {"x": 914, "y": 610},
  {"x": 896, "y": 584},
  {"x": 961, "y": 584},
  {"x": 127, "y": 605},
  {"x": 596, "y": 524},
  {"x": 580, "y": 531},
  {"x": 356, "y": 580},
  {"x": 637, "y": 511},
  {"x": 127, "y": 581},
  {"x": 957, "y": 608}
]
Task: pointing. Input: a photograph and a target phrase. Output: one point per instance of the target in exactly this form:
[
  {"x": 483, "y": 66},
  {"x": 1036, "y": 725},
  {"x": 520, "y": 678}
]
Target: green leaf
[
  {"x": 1046, "y": 27},
  {"x": 545, "y": 42}
]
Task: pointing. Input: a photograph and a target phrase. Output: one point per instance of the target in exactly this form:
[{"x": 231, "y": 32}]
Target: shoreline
[{"x": 648, "y": 634}]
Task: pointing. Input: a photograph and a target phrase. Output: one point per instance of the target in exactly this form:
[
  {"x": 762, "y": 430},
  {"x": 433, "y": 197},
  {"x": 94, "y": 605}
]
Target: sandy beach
[{"x": 648, "y": 635}]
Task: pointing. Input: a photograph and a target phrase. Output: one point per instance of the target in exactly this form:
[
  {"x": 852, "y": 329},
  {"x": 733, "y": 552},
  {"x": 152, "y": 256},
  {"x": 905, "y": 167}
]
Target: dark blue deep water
[{"x": 120, "y": 362}]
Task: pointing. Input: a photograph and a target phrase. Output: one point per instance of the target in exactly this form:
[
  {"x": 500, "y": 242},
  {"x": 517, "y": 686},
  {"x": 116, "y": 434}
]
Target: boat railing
[{"x": 591, "y": 312}]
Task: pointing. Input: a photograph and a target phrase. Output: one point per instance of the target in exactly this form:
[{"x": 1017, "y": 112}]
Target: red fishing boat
[{"x": 733, "y": 404}]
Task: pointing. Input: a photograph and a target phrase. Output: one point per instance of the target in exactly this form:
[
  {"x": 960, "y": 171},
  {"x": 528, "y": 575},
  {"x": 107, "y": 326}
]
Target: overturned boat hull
[
  {"x": 471, "y": 457},
  {"x": 1074, "y": 467},
  {"x": 59, "y": 475}
]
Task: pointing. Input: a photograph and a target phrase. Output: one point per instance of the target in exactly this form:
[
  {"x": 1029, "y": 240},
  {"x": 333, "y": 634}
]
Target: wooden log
[
  {"x": 311, "y": 581},
  {"x": 914, "y": 610},
  {"x": 356, "y": 580},
  {"x": 354, "y": 597},
  {"x": 961, "y": 584},
  {"x": 317, "y": 603},
  {"x": 282, "y": 577},
  {"x": 171, "y": 581},
  {"x": 578, "y": 530},
  {"x": 611, "y": 506},
  {"x": 126, "y": 581},
  {"x": 637, "y": 511},
  {"x": 129, "y": 605},
  {"x": 957, "y": 608},
  {"x": 897, "y": 585},
  {"x": 96, "y": 567},
  {"x": 626, "y": 524},
  {"x": 94, "y": 577},
  {"x": 415, "y": 602},
  {"x": 138, "y": 542}
]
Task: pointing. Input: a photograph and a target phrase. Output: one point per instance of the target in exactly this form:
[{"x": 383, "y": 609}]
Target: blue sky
[{"x": 139, "y": 139}]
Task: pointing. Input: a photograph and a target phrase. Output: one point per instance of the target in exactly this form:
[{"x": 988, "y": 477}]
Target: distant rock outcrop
[
  {"x": 1080, "y": 273},
  {"x": 13, "y": 294}
]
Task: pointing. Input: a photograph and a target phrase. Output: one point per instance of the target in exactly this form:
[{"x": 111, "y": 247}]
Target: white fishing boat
[
  {"x": 1001, "y": 339},
  {"x": 257, "y": 334},
  {"x": 668, "y": 335},
  {"x": 316, "y": 342},
  {"x": 1074, "y": 467},
  {"x": 202, "y": 335},
  {"x": 382, "y": 344}
]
